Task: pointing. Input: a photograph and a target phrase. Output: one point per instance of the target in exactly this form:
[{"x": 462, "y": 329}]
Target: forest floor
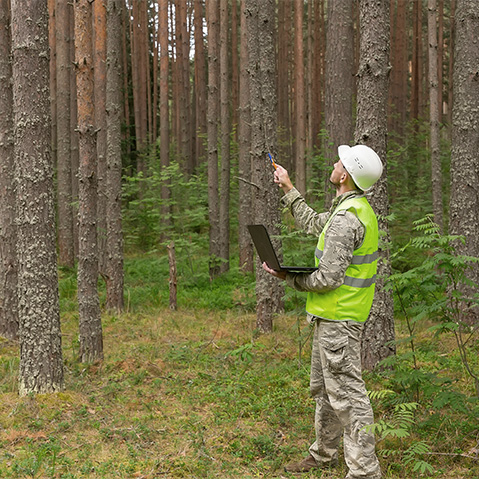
[{"x": 199, "y": 394}]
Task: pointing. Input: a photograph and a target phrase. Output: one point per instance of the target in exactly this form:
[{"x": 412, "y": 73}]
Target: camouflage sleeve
[
  {"x": 344, "y": 234},
  {"x": 305, "y": 217}
]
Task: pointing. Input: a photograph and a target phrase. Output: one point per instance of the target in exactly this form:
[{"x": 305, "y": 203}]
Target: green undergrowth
[{"x": 197, "y": 393}]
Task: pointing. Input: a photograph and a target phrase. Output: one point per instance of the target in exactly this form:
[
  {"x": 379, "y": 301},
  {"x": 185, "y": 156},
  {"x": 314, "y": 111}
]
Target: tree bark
[
  {"x": 164, "y": 108},
  {"x": 66, "y": 253},
  {"x": 371, "y": 129},
  {"x": 114, "y": 265},
  {"x": 464, "y": 202},
  {"x": 200, "y": 83},
  {"x": 225, "y": 139},
  {"x": 91, "y": 336},
  {"x": 299, "y": 100},
  {"x": 99, "y": 71},
  {"x": 246, "y": 259},
  {"x": 8, "y": 236},
  {"x": 399, "y": 73},
  {"x": 262, "y": 71},
  {"x": 284, "y": 110},
  {"x": 436, "y": 171},
  {"x": 213, "y": 107},
  {"x": 339, "y": 80},
  {"x": 41, "y": 363}
]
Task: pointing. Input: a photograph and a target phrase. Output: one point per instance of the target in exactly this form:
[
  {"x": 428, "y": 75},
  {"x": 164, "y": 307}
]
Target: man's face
[{"x": 337, "y": 173}]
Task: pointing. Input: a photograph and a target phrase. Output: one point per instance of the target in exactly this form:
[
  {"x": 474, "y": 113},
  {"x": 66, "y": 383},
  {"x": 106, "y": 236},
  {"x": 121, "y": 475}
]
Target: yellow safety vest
[{"x": 353, "y": 299}]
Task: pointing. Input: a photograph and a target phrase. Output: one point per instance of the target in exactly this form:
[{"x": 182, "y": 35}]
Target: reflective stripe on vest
[{"x": 353, "y": 299}]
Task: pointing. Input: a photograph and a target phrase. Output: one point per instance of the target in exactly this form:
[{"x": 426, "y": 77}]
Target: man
[{"x": 340, "y": 295}]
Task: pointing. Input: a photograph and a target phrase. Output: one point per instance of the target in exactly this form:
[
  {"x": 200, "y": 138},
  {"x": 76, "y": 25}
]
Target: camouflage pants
[{"x": 342, "y": 404}]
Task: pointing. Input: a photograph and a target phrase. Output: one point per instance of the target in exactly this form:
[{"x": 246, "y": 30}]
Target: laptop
[{"x": 267, "y": 254}]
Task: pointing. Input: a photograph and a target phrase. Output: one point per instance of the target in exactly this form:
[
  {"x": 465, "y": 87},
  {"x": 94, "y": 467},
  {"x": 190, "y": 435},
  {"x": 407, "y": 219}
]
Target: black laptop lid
[{"x": 266, "y": 252}]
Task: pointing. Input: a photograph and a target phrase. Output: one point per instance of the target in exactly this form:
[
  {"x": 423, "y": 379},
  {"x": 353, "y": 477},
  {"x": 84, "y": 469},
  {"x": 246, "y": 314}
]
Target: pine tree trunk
[
  {"x": 66, "y": 253},
  {"x": 284, "y": 123},
  {"x": 99, "y": 70},
  {"x": 53, "y": 74},
  {"x": 436, "y": 171},
  {"x": 261, "y": 52},
  {"x": 371, "y": 129},
  {"x": 200, "y": 83},
  {"x": 164, "y": 108},
  {"x": 8, "y": 237},
  {"x": 300, "y": 120},
  {"x": 115, "y": 276},
  {"x": 213, "y": 110},
  {"x": 41, "y": 363},
  {"x": 399, "y": 73},
  {"x": 234, "y": 67},
  {"x": 246, "y": 260},
  {"x": 464, "y": 202},
  {"x": 339, "y": 80},
  {"x": 74, "y": 147},
  {"x": 225, "y": 139},
  {"x": 91, "y": 336}
]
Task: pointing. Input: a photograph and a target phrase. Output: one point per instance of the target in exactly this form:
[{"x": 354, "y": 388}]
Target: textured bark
[
  {"x": 399, "y": 73},
  {"x": 262, "y": 71},
  {"x": 114, "y": 266},
  {"x": 74, "y": 148},
  {"x": 464, "y": 202},
  {"x": 41, "y": 364},
  {"x": 436, "y": 171},
  {"x": 299, "y": 100},
  {"x": 99, "y": 71},
  {"x": 200, "y": 82},
  {"x": 91, "y": 336},
  {"x": 53, "y": 75},
  {"x": 164, "y": 108},
  {"x": 234, "y": 67},
  {"x": 213, "y": 110},
  {"x": 339, "y": 79},
  {"x": 284, "y": 110},
  {"x": 183, "y": 99},
  {"x": 371, "y": 129},
  {"x": 66, "y": 253},
  {"x": 225, "y": 139},
  {"x": 246, "y": 259},
  {"x": 8, "y": 237}
]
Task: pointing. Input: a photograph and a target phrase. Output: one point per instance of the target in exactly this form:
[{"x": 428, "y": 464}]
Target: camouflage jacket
[{"x": 345, "y": 233}]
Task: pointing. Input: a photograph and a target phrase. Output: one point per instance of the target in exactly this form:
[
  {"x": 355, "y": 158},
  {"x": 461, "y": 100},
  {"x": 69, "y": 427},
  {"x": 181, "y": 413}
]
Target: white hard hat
[{"x": 362, "y": 163}]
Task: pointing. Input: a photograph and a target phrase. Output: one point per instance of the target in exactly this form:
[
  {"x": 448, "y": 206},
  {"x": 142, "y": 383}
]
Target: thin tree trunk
[
  {"x": 41, "y": 362},
  {"x": 371, "y": 129},
  {"x": 115, "y": 275},
  {"x": 53, "y": 74},
  {"x": 246, "y": 260},
  {"x": 284, "y": 123},
  {"x": 436, "y": 171},
  {"x": 234, "y": 67},
  {"x": 200, "y": 82},
  {"x": 66, "y": 250},
  {"x": 225, "y": 139},
  {"x": 452, "y": 47},
  {"x": 8, "y": 236},
  {"x": 74, "y": 146},
  {"x": 99, "y": 70},
  {"x": 164, "y": 108},
  {"x": 213, "y": 107},
  {"x": 91, "y": 335},
  {"x": 300, "y": 120},
  {"x": 399, "y": 73}
]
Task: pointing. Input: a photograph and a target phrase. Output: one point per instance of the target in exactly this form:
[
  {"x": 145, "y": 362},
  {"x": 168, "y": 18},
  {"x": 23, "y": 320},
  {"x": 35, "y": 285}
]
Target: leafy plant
[{"x": 439, "y": 290}]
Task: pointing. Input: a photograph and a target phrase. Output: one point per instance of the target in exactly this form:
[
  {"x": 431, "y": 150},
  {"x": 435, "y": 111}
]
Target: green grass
[{"x": 197, "y": 393}]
